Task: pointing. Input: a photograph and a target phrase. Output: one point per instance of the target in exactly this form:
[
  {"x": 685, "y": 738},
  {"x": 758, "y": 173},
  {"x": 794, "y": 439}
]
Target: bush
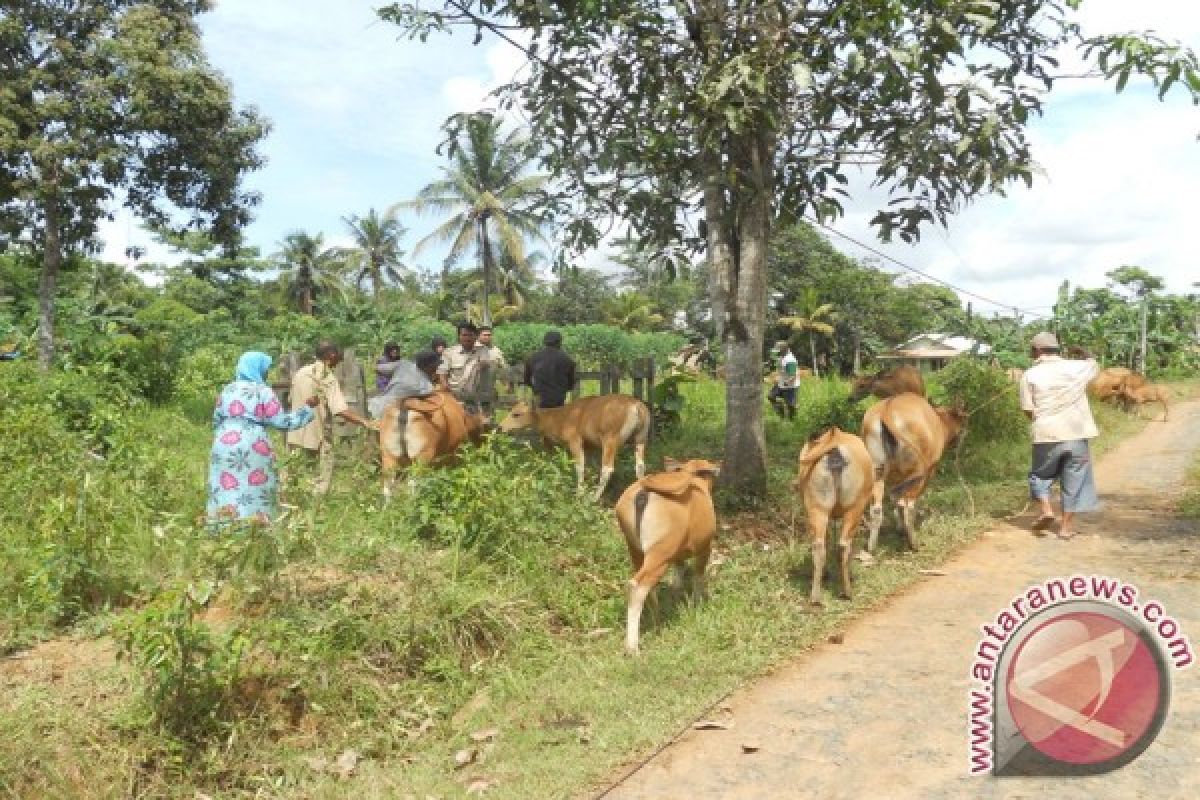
[
  {"x": 823, "y": 403},
  {"x": 987, "y": 394},
  {"x": 203, "y": 372}
]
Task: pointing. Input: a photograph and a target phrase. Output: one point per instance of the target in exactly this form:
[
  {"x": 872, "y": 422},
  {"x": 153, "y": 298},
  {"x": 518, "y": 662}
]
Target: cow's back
[
  {"x": 903, "y": 432},
  {"x": 841, "y": 474},
  {"x": 668, "y": 520},
  {"x": 606, "y": 415}
]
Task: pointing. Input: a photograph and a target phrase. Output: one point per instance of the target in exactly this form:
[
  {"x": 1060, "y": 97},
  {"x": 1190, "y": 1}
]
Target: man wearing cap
[
  {"x": 1053, "y": 395},
  {"x": 783, "y": 393},
  {"x": 550, "y": 372}
]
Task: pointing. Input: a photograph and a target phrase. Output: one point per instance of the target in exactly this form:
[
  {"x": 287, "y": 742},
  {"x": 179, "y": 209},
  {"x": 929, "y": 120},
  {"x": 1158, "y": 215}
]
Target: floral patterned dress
[{"x": 242, "y": 481}]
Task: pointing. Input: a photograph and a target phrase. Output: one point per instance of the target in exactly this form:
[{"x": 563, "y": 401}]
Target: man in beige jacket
[{"x": 316, "y": 438}]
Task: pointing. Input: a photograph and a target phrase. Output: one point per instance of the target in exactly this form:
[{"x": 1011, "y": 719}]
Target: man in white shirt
[
  {"x": 787, "y": 378},
  {"x": 1054, "y": 397}
]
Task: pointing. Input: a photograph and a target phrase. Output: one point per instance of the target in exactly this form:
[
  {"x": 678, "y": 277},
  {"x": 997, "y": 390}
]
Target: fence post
[{"x": 605, "y": 382}]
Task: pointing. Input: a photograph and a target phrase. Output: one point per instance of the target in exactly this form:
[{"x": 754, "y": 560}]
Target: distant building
[{"x": 932, "y": 351}]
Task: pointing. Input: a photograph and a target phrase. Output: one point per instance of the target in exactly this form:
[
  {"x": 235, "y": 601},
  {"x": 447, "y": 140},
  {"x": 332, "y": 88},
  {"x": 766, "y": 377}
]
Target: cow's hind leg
[
  {"x": 818, "y": 524},
  {"x": 642, "y": 584},
  {"x": 876, "y": 514},
  {"x": 850, "y": 523}
]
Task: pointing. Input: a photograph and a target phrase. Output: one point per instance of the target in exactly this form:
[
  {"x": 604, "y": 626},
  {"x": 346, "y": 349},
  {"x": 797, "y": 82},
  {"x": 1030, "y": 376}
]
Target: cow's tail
[{"x": 394, "y": 439}]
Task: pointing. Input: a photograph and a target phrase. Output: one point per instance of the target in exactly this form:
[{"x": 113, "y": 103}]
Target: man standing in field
[
  {"x": 462, "y": 367},
  {"x": 550, "y": 372},
  {"x": 783, "y": 393},
  {"x": 1054, "y": 397},
  {"x": 316, "y": 438},
  {"x": 491, "y": 361}
]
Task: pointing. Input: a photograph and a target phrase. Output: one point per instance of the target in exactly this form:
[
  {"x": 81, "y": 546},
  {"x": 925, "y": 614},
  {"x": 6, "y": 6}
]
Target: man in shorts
[
  {"x": 783, "y": 393},
  {"x": 1054, "y": 396}
]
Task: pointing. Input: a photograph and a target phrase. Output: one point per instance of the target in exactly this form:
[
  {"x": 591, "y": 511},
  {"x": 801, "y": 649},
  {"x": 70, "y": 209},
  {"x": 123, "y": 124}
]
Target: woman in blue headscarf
[{"x": 242, "y": 481}]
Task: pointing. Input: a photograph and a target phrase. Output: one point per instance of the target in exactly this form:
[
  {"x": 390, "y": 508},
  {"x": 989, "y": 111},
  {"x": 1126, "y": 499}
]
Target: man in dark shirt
[{"x": 550, "y": 372}]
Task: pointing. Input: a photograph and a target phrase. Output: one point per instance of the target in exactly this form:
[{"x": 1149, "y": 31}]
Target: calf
[
  {"x": 906, "y": 438},
  {"x": 607, "y": 422},
  {"x": 425, "y": 430},
  {"x": 667, "y": 518},
  {"x": 889, "y": 383},
  {"x": 835, "y": 478},
  {"x": 1149, "y": 393}
]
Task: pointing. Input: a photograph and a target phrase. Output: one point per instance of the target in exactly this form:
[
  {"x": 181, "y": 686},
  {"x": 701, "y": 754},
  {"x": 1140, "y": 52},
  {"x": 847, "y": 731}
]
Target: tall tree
[
  {"x": 762, "y": 108},
  {"x": 108, "y": 99},
  {"x": 376, "y": 254},
  {"x": 493, "y": 202},
  {"x": 309, "y": 268},
  {"x": 1141, "y": 284}
]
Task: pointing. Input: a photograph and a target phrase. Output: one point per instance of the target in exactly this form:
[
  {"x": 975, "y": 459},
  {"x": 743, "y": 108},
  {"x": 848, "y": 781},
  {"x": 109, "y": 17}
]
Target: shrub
[
  {"x": 203, "y": 372},
  {"x": 823, "y": 403},
  {"x": 989, "y": 396}
]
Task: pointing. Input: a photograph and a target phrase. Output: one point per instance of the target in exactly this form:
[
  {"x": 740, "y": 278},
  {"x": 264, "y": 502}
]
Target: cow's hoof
[
  {"x": 816, "y": 603},
  {"x": 864, "y": 557}
]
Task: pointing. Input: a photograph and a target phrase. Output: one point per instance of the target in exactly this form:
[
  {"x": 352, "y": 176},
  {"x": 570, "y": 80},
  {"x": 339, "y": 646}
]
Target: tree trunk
[
  {"x": 738, "y": 254},
  {"x": 1142, "y": 347},
  {"x": 857, "y": 365},
  {"x": 485, "y": 249},
  {"x": 377, "y": 282},
  {"x": 812, "y": 351},
  {"x": 48, "y": 285}
]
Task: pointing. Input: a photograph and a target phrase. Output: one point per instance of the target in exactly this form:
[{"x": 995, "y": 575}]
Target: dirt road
[{"x": 884, "y": 713}]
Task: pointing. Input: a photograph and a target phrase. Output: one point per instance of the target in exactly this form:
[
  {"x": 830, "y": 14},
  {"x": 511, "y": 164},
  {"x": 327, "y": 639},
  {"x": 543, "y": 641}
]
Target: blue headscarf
[{"x": 253, "y": 366}]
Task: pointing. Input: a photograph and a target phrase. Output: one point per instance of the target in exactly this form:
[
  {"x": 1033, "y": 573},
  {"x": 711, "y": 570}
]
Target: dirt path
[{"x": 884, "y": 713}]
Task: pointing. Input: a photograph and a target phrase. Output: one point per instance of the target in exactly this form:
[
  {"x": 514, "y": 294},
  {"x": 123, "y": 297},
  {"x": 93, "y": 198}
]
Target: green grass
[{"x": 494, "y": 600}]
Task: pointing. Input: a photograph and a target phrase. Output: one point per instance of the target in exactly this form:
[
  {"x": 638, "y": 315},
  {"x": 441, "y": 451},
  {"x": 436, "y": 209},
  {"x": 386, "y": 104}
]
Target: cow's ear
[{"x": 671, "y": 465}]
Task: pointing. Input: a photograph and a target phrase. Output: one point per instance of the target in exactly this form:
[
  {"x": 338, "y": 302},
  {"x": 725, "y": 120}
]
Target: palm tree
[
  {"x": 814, "y": 317},
  {"x": 307, "y": 267},
  {"x": 632, "y": 311},
  {"x": 489, "y": 197},
  {"x": 376, "y": 252}
]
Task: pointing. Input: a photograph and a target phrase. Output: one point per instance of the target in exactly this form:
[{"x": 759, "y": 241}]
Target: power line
[{"x": 1008, "y": 306}]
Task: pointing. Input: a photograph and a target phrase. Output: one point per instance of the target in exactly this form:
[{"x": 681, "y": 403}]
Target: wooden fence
[{"x": 353, "y": 379}]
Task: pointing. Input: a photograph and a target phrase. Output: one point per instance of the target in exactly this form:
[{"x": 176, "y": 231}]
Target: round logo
[{"x": 1087, "y": 688}]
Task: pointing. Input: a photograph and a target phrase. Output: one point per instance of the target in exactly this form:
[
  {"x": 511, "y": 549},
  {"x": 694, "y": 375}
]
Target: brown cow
[
  {"x": 425, "y": 430},
  {"x": 1150, "y": 393},
  {"x": 835, "y": 478},
  {"x": 607, "y": 422},
  {"x": 1112, "y": 382},
  {"x": 667, "y": 518},
  {"x": 906, "y": 437},
  {"x": 889, "y": 383}
]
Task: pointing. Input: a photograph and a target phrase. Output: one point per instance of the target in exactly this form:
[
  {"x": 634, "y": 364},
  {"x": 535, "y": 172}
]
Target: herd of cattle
[{"x": 668, "y": 518}]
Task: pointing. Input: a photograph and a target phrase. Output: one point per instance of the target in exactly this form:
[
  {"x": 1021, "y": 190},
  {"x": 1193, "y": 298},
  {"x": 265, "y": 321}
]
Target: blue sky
[{"x": 356, "y": 112}]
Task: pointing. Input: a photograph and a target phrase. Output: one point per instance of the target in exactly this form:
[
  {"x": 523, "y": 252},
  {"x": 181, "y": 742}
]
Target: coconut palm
[
  {"x": 376, "y": 254},
  {"x": 814, "y": 318},
  {"x": 632, "y": 311},
  {"x": 307, "y": 267},
  {"x": 490, "y": 198}
]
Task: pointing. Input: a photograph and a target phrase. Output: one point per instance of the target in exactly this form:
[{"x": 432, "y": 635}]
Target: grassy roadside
[{"x": 398, "y": 640}]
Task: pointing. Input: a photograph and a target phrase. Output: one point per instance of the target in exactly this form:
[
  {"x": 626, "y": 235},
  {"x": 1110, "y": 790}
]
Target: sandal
[
  {"x": 1044, "y": 523},
  {"x": 1067, "y": 536}
]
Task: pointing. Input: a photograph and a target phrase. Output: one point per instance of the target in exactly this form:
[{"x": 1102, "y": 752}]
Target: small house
[{"x": 932, "y": 351}]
